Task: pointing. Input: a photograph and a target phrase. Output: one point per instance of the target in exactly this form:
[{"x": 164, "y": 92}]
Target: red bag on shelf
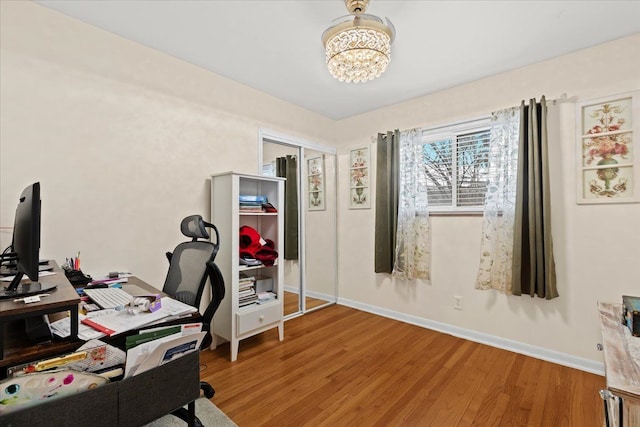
[{"x": 252, "y": 245}]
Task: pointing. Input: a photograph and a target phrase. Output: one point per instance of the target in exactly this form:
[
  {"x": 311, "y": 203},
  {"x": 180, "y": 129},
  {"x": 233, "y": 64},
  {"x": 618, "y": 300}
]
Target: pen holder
[{"x": 77, "y": 277}]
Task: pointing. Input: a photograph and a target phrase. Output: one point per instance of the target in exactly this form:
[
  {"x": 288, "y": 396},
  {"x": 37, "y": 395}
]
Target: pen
[{"x": 57, "y": 361}]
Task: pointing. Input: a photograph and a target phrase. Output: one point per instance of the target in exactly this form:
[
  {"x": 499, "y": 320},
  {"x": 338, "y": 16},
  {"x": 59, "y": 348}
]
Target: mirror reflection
[
  {"x": 309, "y": 253},
  {"x": 320, "y": 233}
]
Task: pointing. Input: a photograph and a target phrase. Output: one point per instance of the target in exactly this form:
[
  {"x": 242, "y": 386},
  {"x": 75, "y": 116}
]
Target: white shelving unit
[{"x": 231, "y": 322}]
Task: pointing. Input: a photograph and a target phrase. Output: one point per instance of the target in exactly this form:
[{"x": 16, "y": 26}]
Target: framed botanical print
[
  {"x": 359, "y": 179},
  {"x": 608, "y": 149},
  {"x": 315, "y": 183}
]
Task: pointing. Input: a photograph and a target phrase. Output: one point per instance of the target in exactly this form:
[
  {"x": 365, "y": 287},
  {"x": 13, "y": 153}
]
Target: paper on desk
[
  {"x": 112, "y": 356},
  {"x": 122, "y": 321},
  {"x": 155, "y": 353},
  {"x": 62, "y": 329},
  {"x": 174, "y": 307},
  {"x": 175, "y": 310}
]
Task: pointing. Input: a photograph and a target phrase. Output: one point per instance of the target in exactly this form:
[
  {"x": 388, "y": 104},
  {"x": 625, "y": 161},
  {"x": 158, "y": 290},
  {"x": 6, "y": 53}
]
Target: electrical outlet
[{"x": 458, "y": 302}]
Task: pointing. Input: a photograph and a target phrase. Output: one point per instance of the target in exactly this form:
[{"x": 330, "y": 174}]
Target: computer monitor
[{"x": 25, "y": 247}]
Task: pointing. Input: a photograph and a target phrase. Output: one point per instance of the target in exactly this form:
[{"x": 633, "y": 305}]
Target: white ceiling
[{"x": 274, "y": 46}]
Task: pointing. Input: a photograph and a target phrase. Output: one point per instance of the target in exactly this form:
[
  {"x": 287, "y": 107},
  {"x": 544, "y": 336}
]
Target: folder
[{"x": 155, "y": 353}]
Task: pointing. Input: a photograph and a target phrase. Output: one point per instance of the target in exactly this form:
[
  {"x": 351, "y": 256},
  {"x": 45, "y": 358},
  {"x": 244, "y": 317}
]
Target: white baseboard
[
  {"x": 480, "y": 337},
  {"x": 312, "y": 294},
  {"x": 292, "y": 289}
]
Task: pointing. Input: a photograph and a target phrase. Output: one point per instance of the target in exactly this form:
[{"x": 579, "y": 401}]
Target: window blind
[{"x": 456, "y": 168}]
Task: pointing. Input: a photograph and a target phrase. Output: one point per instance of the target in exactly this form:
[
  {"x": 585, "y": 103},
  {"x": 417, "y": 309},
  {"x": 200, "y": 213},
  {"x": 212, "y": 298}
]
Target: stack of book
[
  {"x": 247, "y": 291},
  {"x": 252, "y": 203}
]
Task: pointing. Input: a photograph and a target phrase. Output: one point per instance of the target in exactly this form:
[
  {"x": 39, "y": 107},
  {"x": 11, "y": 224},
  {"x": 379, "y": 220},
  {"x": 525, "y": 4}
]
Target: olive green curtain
[
  {"x": 387, "y": 164},
  {"x": 287, "y": 167},
  {"x": 534, "y": 270}
]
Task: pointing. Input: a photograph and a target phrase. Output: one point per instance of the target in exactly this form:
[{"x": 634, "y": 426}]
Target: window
[{"x": 456, "y": 166}]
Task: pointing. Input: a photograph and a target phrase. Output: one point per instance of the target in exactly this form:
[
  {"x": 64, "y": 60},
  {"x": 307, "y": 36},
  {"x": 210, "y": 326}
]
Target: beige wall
[
  {"x": 123, "y": 137},
  {"x": 597, "y": 247}
]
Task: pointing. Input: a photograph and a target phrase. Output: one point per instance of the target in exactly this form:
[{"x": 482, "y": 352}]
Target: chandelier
[{"x": 358, "y": 47}]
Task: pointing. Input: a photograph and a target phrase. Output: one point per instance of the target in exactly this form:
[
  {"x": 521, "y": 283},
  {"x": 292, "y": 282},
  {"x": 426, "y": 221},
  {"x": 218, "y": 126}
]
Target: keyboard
[{"x": 109, "y": 297}]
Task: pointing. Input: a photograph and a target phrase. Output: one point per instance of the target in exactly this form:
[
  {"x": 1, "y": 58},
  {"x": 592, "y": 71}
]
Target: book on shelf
[
  {"x": 247, "y": 293},
  {"x": 251, "y": 209},
  {"x": 257, "y": 208},
  {"x": 248, "y": 302},
  {"x": 246, "y": 283},
  {"x": 247, "y": 198}
]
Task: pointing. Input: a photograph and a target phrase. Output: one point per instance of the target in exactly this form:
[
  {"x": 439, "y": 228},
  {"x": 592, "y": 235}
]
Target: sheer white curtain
[
  {"x": 496, "y": 250},
  {"x": 413, "y": 238}
]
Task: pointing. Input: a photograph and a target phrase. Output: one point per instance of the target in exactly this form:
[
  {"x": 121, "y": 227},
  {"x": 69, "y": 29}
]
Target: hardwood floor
[
  {"x": 339, "y": 366},
  {"x": 291, "y": 303}
]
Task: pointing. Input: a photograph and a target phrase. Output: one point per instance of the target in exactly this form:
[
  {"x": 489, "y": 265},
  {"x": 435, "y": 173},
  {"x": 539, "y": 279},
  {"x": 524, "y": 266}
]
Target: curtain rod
[
  {"x": 460, "y": 123},
  {"x": 563, "y": 98}
]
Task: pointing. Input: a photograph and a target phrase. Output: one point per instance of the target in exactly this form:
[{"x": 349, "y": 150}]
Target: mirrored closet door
[{"x": 309, "y": 255}]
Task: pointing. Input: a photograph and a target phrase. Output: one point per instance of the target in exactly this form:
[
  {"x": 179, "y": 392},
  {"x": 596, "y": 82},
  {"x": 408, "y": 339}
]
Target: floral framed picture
[
  {"x": 359, "y": 179},
  {"x": 315, "y": 184},
  {"x": 608, "y": 149}
]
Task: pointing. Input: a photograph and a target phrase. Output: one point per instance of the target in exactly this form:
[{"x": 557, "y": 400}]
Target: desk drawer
[{"x": 257, "y": 318}]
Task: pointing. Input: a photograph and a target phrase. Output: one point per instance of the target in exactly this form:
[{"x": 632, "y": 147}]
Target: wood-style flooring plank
[{"x": 343, "y": 367}]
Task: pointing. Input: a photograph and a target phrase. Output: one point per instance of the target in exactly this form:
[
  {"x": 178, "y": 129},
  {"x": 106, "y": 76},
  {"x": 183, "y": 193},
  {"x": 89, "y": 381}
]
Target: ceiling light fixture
[{"x": 358, "y": 47}]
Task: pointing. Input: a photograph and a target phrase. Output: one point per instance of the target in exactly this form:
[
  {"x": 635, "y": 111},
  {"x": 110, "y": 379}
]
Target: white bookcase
[{"x": 231, "y": 322}]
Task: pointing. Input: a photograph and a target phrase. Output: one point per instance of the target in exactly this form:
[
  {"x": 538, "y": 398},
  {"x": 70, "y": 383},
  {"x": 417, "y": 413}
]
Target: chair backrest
[{"x": 191, "y": 264}]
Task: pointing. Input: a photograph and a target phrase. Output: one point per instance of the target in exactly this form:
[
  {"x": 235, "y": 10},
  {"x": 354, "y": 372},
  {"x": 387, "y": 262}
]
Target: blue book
[{"x": 253, "y": 199}]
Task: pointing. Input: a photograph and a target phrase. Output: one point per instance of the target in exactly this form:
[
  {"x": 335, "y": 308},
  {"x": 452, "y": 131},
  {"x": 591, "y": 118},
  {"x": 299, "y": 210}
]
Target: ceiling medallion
[{"x": 358, "y": 47}]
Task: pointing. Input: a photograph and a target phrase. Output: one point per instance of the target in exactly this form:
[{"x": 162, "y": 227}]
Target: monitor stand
[{"x": 20, "y": 290}]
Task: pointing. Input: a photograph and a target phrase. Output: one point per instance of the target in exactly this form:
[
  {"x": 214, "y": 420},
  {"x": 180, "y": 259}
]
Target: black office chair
[{"x": 190, "y": 265}]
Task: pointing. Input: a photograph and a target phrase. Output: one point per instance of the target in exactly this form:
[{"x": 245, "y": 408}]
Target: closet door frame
[{"x": 268, "y": 136}]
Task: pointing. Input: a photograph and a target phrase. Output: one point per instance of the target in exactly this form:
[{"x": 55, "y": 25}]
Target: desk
[
  {"x": 621, "y": 371},
  {"x": 63, "y": 298},
  {"x": 131, "y": 402},
  {"x": 18, "y": 350}
]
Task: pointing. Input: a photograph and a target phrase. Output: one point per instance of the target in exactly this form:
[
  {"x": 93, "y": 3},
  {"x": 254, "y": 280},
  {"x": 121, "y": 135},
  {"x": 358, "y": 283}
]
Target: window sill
[{"x": 455, "y": 213}]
